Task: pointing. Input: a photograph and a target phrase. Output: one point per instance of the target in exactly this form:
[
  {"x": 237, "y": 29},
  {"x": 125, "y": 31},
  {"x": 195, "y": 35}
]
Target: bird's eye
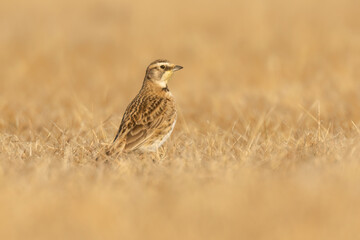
[{"x": 162, "y": 66}]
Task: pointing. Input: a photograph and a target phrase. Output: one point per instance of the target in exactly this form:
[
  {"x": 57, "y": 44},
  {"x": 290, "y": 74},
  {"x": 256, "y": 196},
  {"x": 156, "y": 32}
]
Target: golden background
[{"x": 267, "y": 142}]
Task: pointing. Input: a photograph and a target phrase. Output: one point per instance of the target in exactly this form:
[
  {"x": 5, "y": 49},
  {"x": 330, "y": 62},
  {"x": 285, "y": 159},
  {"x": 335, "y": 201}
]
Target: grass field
[{"x": 267, "y": 144}]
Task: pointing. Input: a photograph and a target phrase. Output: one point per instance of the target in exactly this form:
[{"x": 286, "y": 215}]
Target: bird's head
[{"x": 160, "y": 71}]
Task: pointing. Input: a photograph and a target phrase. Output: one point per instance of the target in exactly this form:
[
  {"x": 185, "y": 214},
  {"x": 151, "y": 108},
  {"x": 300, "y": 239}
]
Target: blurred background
[
  {"x": 267, "y": 141},
  {"x": 96, "y": 52}
]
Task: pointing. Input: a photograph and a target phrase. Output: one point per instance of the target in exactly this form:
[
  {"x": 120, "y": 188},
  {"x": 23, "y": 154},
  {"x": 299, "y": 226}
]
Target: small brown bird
[{"x": 151, "y": 116}]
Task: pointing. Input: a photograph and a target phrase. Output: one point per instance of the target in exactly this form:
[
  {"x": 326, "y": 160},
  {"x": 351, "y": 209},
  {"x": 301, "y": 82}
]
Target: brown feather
[{"x": 148, "y": 118}]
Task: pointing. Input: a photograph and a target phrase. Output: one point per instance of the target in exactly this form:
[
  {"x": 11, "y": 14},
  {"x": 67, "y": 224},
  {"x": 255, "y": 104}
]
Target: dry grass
[{"x": 267, "y": 144}]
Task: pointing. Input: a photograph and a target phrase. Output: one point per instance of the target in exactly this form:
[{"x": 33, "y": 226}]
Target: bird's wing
[{"x": 140, "y": 120}]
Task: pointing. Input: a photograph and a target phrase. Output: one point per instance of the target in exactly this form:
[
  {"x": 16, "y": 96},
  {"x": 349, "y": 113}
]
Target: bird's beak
[{"x": 177, "y": 68}]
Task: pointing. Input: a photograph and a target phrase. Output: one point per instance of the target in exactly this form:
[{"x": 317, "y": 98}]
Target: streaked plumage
[{"x": 151, "y": 116}]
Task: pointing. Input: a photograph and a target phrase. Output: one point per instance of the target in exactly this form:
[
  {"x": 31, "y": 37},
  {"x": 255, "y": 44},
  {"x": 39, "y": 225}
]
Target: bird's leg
[
  {"x": 155, "y": 156},
  {"x": 158, "y": 154}
]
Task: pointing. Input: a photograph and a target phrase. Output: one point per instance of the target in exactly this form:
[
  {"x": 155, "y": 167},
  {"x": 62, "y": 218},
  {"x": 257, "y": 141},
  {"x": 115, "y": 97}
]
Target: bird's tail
[{"x": 113, "y": 149}]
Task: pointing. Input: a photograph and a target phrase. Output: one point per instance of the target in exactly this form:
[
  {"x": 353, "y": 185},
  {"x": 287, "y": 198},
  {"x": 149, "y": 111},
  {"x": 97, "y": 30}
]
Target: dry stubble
[{"x": 267, "y": 141}]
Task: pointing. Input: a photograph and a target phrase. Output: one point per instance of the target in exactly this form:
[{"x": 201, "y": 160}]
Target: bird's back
[{"x": 147, "y": 122}]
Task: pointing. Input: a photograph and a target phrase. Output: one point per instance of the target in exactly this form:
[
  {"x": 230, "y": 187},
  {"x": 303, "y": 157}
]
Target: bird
[{"x": 150, "y": 118}]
